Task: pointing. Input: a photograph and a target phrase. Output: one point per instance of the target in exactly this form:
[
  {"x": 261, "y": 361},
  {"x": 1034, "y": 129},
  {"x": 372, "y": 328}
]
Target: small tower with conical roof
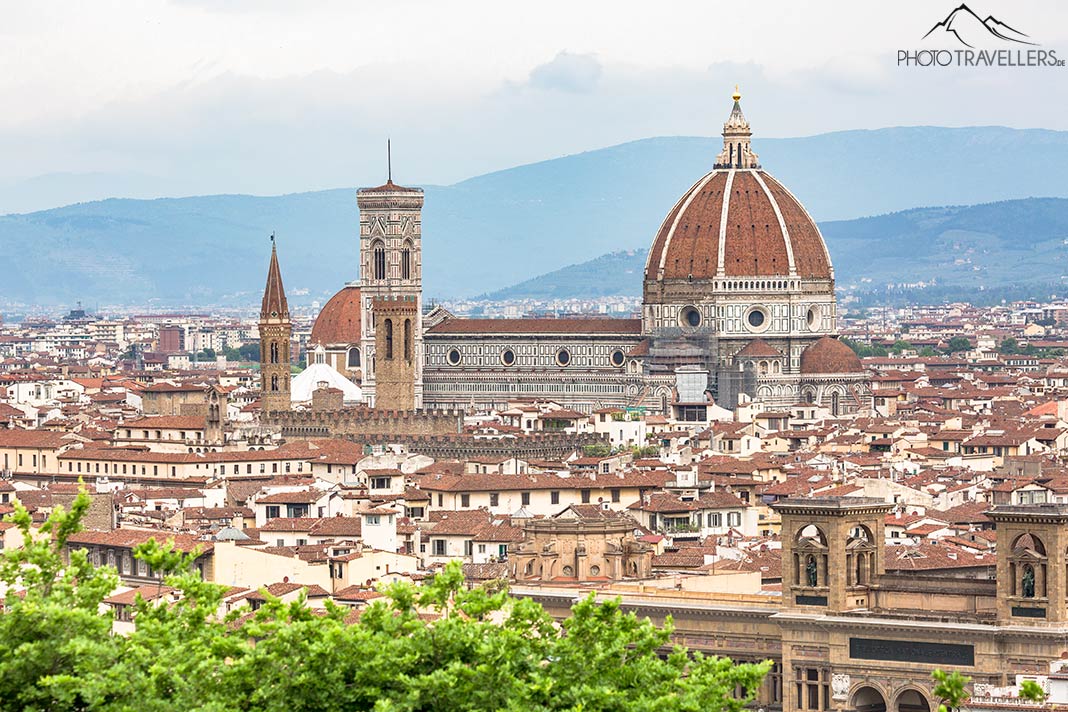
[
  {"x": 737, "y": 152},
  {"x": 275, "y": 333}
]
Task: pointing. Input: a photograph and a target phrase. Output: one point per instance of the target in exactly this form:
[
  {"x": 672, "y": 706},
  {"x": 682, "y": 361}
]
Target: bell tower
[
  {"x": 391, "y": 271},
  {"x": 832, "y": 551},
  {"x": 275, "y": 334},
  {"x": 1031, "y": 560}
]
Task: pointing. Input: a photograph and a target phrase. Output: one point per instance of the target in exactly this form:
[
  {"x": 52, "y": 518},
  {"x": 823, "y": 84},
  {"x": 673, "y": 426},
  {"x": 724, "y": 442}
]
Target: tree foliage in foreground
[{"x": 436, "y": 647}]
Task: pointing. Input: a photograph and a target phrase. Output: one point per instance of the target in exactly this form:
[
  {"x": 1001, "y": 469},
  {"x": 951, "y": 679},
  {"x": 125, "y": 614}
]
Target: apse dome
[{"x": 339, "y": 320}]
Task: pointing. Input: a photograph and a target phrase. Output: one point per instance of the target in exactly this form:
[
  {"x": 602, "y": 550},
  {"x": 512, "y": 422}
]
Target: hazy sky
[{"x": 269, "y": 96}]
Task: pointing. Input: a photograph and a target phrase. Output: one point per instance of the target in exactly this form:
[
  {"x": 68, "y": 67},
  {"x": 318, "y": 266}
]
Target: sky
[{"x": 184, "y": 97}]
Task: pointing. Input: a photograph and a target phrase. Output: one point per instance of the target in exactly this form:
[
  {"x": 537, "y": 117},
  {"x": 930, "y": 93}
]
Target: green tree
[
  {"x": 597, "y": 450},
  {"x": 1031, "y": 690},
  {"x": 441, "y": 646},
  {"x": 1009, "y": 346},
  {"x": 949, "y": 688},
  {"x": 867, "y": 350},
  {"x": 957, "y": 344},
  {"x": 250, "y": 352}
]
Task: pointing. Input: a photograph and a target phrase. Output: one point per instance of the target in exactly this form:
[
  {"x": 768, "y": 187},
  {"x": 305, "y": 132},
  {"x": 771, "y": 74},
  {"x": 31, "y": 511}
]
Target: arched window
[
  {"x": 389, "y": 338},
  {"x": 354, "y": 357},
  {"x": 378, "y": 253},
  {"x": 407, "y": 339},
  {"x": 406, "y": 261},
  {"x": 274, "y": 383},
  {"x": 1027, "y": 581},
  {"x": 274, "y": 352},
  {"x": 834, "y": 403}
]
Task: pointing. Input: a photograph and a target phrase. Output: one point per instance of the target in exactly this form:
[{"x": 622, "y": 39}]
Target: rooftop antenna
[
  {"x": 389, "y": 162},
  {"x": 272, "y": 235}
]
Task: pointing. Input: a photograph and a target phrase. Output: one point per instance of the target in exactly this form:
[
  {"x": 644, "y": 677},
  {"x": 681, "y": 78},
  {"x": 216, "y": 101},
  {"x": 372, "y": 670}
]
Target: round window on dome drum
[
  {"x": 691, "y": 317},
  {"x": 756, "y": 318},
  {"x": 563, "y": 357},
  {"x": 453, "y": 357},
  {"x": 508, "y": 357},
  {"x": 813, "y": 318},
  {"x": 618, "y": 358}
]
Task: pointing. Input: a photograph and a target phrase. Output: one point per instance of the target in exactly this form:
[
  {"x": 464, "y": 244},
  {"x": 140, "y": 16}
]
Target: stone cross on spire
[
  {"x": 274, "y": 294},
  {"x": 737, "y": 152}
]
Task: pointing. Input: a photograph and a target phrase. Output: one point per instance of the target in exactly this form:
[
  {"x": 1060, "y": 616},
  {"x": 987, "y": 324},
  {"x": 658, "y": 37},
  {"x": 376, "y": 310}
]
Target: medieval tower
[
  {"x": 391, "y": 279},
  {"x": 275, "y": 333}
]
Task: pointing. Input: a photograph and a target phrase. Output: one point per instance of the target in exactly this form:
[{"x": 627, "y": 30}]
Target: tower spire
[
  {"x": 276, "y": 331},
  {"x": 737, "y": 152},
  {"x": 274, "y": 294}
]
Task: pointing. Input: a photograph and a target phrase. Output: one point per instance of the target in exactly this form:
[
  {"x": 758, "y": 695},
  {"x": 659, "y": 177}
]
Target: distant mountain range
[
  {"x": 489, "y": 232},
  {"x": 1005, "y": 247}
]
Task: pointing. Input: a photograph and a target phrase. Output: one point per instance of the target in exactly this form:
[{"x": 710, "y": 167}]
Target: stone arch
[
  {"x": 406, "y": 260},
  {"x": 810, "y": 556},
  {"x": 378, "y": 259},
  {"x": 868, "y": 698},
  {"x": 1028, "y": 566},
  {"x": 860, "y": 556},
  {"x": 911, "y": 699}
]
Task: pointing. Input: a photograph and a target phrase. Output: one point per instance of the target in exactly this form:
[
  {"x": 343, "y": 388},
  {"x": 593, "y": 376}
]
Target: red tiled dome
[
  {"x": 829, "y": 355},
  {"x": 749, "y": 232},
  {"x": 339, "y": 321}
]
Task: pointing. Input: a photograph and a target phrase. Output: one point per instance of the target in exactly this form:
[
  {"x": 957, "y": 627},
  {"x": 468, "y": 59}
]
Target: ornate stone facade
[
  {"x": 585, "y": 542},
  {"x": 855, "y": 639},
  {"x": 736, "y": 261}
]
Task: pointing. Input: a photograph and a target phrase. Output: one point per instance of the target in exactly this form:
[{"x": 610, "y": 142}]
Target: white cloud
[
  {"x": 567, "y": 72},
  {"x": 293, "y": 96}
]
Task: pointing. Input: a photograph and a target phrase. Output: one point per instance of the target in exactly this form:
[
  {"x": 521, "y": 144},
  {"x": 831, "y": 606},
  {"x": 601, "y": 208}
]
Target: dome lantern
[{"x": 737, "y": 152}]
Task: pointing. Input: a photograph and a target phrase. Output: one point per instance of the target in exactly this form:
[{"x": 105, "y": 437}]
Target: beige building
[{"x": 845, "y": 635}]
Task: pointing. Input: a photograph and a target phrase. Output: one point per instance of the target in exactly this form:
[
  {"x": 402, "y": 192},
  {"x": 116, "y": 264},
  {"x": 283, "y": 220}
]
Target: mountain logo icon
[{"x": 969, "y": 29}]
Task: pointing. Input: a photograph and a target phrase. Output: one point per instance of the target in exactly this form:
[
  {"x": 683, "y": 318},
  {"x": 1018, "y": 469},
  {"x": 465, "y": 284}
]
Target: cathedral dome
[
  {"x": 829, "y": 355},
  {"x": 339, "y": 320},
  {"x": 738, "y": 221}
]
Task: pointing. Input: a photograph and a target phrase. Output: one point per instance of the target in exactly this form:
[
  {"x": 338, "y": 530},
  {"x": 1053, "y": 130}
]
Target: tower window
[
  {"x": 274, "y": 383},
  {"x": 406, "y": 261},
  {"x": 407, "y": 339},
  {"x": 378, "y": 252},
  {"x": 389, "y": 338},
  {"x": 274, "y": 352}
]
